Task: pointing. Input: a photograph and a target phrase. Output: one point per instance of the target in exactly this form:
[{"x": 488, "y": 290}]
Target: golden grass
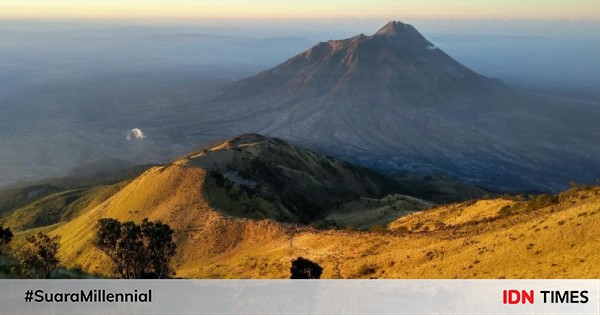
[
  {"x": 59, "y": 207},
  {"x": 19, "y": 237},
  {"x": 468, "y": 240},
  {"x": 365, "y": 213}
]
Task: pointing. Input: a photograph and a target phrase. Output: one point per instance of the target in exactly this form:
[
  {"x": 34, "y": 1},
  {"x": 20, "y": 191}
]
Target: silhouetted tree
[
  {"x": 137, "y": 251},
  {"x": 37, "y": 259},
  {"x": 303, "y": 268},
  {"x": 159, "y": 245},
  {"x": 5, "y": 237}
]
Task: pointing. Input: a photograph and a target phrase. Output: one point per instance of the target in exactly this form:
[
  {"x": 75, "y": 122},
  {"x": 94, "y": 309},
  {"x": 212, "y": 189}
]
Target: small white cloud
[{"x": 135, "y": 134}]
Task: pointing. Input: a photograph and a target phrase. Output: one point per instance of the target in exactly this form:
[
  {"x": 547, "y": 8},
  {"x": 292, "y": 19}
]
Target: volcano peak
[
  {"x": 394, "y": 28},
  {"x": 404, "y": 33}
]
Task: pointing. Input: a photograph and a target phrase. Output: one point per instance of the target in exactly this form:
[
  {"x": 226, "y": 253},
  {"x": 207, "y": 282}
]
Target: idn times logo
[{"x": 513, "y": 297}]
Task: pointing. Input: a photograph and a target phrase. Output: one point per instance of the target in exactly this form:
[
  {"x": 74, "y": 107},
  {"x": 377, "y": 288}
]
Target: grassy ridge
[
  {"x": 478, "y": 239},
  {"x": 18, "y": 196},
  {"x": 237, "y": 210},
  {"x": 58, "y": 207},
  {"x": 266, "y": 178}
]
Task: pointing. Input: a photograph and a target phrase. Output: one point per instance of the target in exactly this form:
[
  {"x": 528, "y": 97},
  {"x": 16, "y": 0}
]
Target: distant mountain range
[{"x": 393, "y": 101}]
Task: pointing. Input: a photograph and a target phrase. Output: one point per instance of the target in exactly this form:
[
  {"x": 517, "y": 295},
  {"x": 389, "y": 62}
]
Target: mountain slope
[
  {"x": 545, "y": 237},
  {"x": 256, "y": 177},
  {"x": 393, "y": 101},
  {"x": 266, "y": 178},
  {"x": 396, "y": 63},
  {"x": 24, "y": 194},
  {"x": 500, "y": 238},
  {"x": 58, "y": 207},
  {"x": 172, "y": 194}
]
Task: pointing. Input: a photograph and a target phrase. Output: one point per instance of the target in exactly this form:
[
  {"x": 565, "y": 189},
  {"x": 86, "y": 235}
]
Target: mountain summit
[
  {"x": 393, "y": 101},
  {"x": 405, "y": 33},
  {"x": 396, "y": 63},
  {"x": 396, "y": 28}
]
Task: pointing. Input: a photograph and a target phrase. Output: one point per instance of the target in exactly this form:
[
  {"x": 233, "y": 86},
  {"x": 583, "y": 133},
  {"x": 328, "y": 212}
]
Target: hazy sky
[{"x": 511, "y": 9}]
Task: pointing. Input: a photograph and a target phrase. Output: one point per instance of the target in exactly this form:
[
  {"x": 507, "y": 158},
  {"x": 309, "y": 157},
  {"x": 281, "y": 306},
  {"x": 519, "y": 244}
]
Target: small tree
[
  {"x": 303, "y": 268},
  {"x": 159, "y": 245},
  {"x": 5, "y": 237},
  {"x": 130, "y": 251},
  {"x": 137, "y": 251},
  {"x": 37, "y": 258}
]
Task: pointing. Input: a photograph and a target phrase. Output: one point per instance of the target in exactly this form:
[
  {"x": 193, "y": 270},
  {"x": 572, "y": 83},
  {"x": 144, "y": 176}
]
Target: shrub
[
  {"x": 5, "y": 237},
  {"x": 506, "y": 210},
  {"x": 439, "y": 225},
  {"x": 402, "y": 230},
  {"x": 37, "y": 259},
  {"x": 303, "y": 268},
  {"x": 366, "y": 270},
  {"x": 541, "y": 201},
  {"x": 417, "y": 226},
  {"x": 137, "y": 251},
  {"x": 520, "y": 197}
]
